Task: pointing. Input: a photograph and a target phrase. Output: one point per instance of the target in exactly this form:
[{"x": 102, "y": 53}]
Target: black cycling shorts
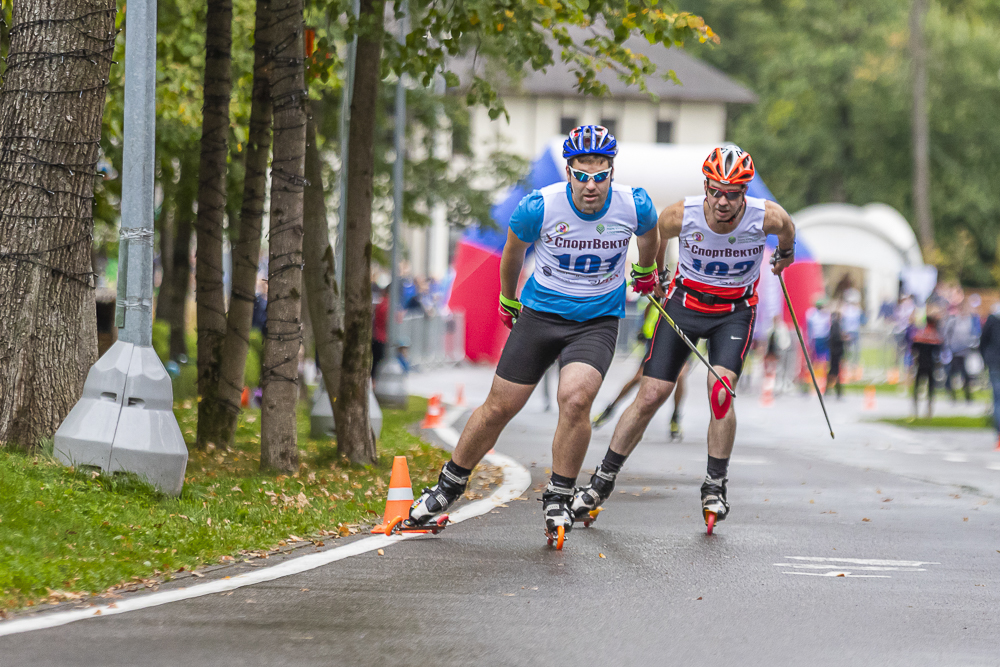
[
  {"x": 729, "y": 336},
  {"x": 539, "y": 338}
]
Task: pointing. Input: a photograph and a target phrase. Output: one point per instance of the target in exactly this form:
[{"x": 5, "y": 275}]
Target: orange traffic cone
[
  {"x": 997, "y": 449},
  {"x": 400, "y": 494},
  {"x": 245, "y": 397},
  {"x": 460, "y": 396},
  {"x": 767, "y": 391},
  {"x": 435, "y": 413},
  {"x": 870, "y": 403}
]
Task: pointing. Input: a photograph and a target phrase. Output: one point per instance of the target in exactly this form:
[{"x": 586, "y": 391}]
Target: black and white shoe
[
  {"x": 556, "y": 503},
  {"x": 588, "y": 498},
  {"x": 713, "y": 498},
  {"x": 438, "y": 498}
]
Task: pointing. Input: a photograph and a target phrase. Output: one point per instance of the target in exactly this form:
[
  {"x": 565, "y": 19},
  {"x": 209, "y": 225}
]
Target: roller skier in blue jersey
[{"x": 568, "y": 310}]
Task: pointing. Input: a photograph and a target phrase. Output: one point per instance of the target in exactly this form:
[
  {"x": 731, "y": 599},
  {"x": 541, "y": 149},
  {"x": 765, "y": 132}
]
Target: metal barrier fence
[{"x": 433, "y": 339}]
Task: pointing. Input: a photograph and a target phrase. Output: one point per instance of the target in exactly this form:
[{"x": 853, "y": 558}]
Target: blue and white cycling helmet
[{"x": 590, "y": 140}]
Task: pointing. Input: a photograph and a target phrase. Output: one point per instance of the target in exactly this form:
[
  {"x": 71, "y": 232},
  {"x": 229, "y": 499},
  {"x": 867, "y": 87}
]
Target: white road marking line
[
  {"x": 841, "y": 574},
  {"x": 956, "y": 458},
  {"x": 811, "y": 566},
  {"x": 864, "y": 561},
  {"x": 516, "y": 480},
  {"x": 993, "y": 466},
  {"x": 749, "y": 460}
]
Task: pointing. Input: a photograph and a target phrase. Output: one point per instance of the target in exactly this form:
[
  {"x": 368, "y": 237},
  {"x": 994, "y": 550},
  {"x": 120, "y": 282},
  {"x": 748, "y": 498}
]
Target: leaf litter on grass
[{"x": 65, "y": 532}]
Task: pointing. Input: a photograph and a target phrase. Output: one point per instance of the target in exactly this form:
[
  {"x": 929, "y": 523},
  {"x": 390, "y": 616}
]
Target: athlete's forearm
[
  {"x": 786, "y": 236},
  {"x": 511, "y": 262},
  {"x": 649, "y": 245}
]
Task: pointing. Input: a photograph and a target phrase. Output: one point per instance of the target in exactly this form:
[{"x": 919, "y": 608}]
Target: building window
[
  {"x": 566, "y": 123},
  {"x": 611, "y": 124},
  {"x": 664, "y": 132}
]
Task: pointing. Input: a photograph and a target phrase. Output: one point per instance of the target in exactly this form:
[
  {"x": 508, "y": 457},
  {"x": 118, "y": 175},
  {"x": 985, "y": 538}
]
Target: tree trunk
[
  {"x": 165, "y": 225},
  {"x": 278, "y": 445},
  {"x": 921, "y": 131},
  {"x": 180, "y": 273},
  {"x": 322, "y": 294},
  {"x": 51, "y": 105},
  {"x": 354, "y": 434},
  {"x": 212, "y": 204},
  {"x": 246, "y": 251}
]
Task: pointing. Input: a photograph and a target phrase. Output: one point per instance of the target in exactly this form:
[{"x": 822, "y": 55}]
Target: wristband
[
  {"x": 510, "y": 303},
  {"x": 784, "y": 254},
  {"x": 643, "y": 270}
]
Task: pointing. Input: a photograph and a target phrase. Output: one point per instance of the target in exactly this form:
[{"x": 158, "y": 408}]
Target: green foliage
[
  {"x": 834, "y": 117},
  {"x": 66, "y": 533}
]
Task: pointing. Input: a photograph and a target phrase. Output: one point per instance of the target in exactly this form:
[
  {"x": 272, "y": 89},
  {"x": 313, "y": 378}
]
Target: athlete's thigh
[
  {"x": 591, "y": 343},
  {"x": 578, "y": 383},
  {"x": 730, "y": 339},
  {"x": 533, "y": 345},
  {"x": 668, "y": 352}
]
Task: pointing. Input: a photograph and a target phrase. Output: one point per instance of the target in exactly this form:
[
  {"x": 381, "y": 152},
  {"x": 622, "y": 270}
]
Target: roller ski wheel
[
  {"x": 676, "y": 433},
  {"x": 557, "y": 539},
  {"x": 400, "y": 525},
  {"x": 709, "y": 522},
  {"x": 588, "y": 518}
]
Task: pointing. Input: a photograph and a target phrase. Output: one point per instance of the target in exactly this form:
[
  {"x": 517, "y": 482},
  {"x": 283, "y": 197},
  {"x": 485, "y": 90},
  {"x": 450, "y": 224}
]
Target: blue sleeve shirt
[
  {"x": 645, "y": 211},
  {"x": 526, "y": 220}
]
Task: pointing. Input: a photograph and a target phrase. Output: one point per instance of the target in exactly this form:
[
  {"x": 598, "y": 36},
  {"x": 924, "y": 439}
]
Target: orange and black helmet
[{"x": 729, "y": 165}]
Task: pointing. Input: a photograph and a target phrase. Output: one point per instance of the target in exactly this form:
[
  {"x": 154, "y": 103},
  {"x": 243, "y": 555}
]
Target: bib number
[
  {"x": 587, "y": 264},
  {"x": 723, "y": 269}
]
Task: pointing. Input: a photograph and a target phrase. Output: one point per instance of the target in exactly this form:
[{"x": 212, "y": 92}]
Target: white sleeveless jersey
[
  {"x": 580, "y": 257},
  {"x": 731, "y": 260}
]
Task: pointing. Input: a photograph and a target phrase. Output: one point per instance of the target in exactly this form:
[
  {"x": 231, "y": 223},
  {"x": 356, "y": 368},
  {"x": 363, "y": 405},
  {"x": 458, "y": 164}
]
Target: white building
[{"x": 546, "y": 105}]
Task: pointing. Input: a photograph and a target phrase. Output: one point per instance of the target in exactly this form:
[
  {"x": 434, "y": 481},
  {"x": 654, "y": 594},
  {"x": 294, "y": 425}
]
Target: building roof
[{"x": 700, "y": 82}]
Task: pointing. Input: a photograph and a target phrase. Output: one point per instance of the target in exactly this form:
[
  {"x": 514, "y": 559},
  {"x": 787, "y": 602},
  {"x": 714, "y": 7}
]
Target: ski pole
[
  {"x": 673, "y": 325},
  {"x": 805, "y": 352}
]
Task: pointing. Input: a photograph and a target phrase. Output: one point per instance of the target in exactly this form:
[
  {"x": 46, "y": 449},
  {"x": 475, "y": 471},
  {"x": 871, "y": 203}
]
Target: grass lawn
[
  {"x": 67, "y": 534},
  {"x": 942, "y": 422}
]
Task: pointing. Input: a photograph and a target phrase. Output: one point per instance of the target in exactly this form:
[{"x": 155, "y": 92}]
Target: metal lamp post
[{"x": 124, "y": 421}]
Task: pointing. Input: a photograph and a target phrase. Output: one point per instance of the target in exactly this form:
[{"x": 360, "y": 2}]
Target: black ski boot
[
  {"x": 714, "y": 505},
  {"x": 588, "y": 499},
  {"x": 558, "y": 516},
  {"x": 437, "y": 499}
]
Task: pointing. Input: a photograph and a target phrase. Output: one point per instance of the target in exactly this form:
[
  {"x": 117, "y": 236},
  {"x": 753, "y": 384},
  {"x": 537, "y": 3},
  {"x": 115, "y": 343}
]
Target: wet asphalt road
[{"x": 909, "y": 518}]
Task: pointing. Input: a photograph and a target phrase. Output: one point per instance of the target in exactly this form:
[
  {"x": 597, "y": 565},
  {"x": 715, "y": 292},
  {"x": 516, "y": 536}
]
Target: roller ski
[
  {"x": 676, "y": 432},
  {"x": 602, "y": 419},
  {"x": 587, "y": 500},
  {"x": 400, "y": 525},
  {"x": 428, "y": 512},
  {"x": 556, "y": 502},
  {"x": 714, "y": 505}
]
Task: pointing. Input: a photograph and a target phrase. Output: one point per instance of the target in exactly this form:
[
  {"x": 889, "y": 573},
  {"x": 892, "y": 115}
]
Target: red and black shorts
[{"x": 728, "y": 334}]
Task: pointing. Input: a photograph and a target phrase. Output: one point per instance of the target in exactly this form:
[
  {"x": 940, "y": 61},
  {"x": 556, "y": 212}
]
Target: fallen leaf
[
  {"x": 381, "y": 552},
  {"x": 812, "y": 502},
  {"x": 97, "y": 613},
  {"x": 841, "y": 575},
  {"x": 965, "y": 518},
  {"x": 197, "y": 574},
  {"x": 887, "y": 500},
  {"x": 304, "y": 590},
  {"x": 866, "y": 519},
  {"x": 601, "y": 556},
  {"x": 698, "y": 598}
]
